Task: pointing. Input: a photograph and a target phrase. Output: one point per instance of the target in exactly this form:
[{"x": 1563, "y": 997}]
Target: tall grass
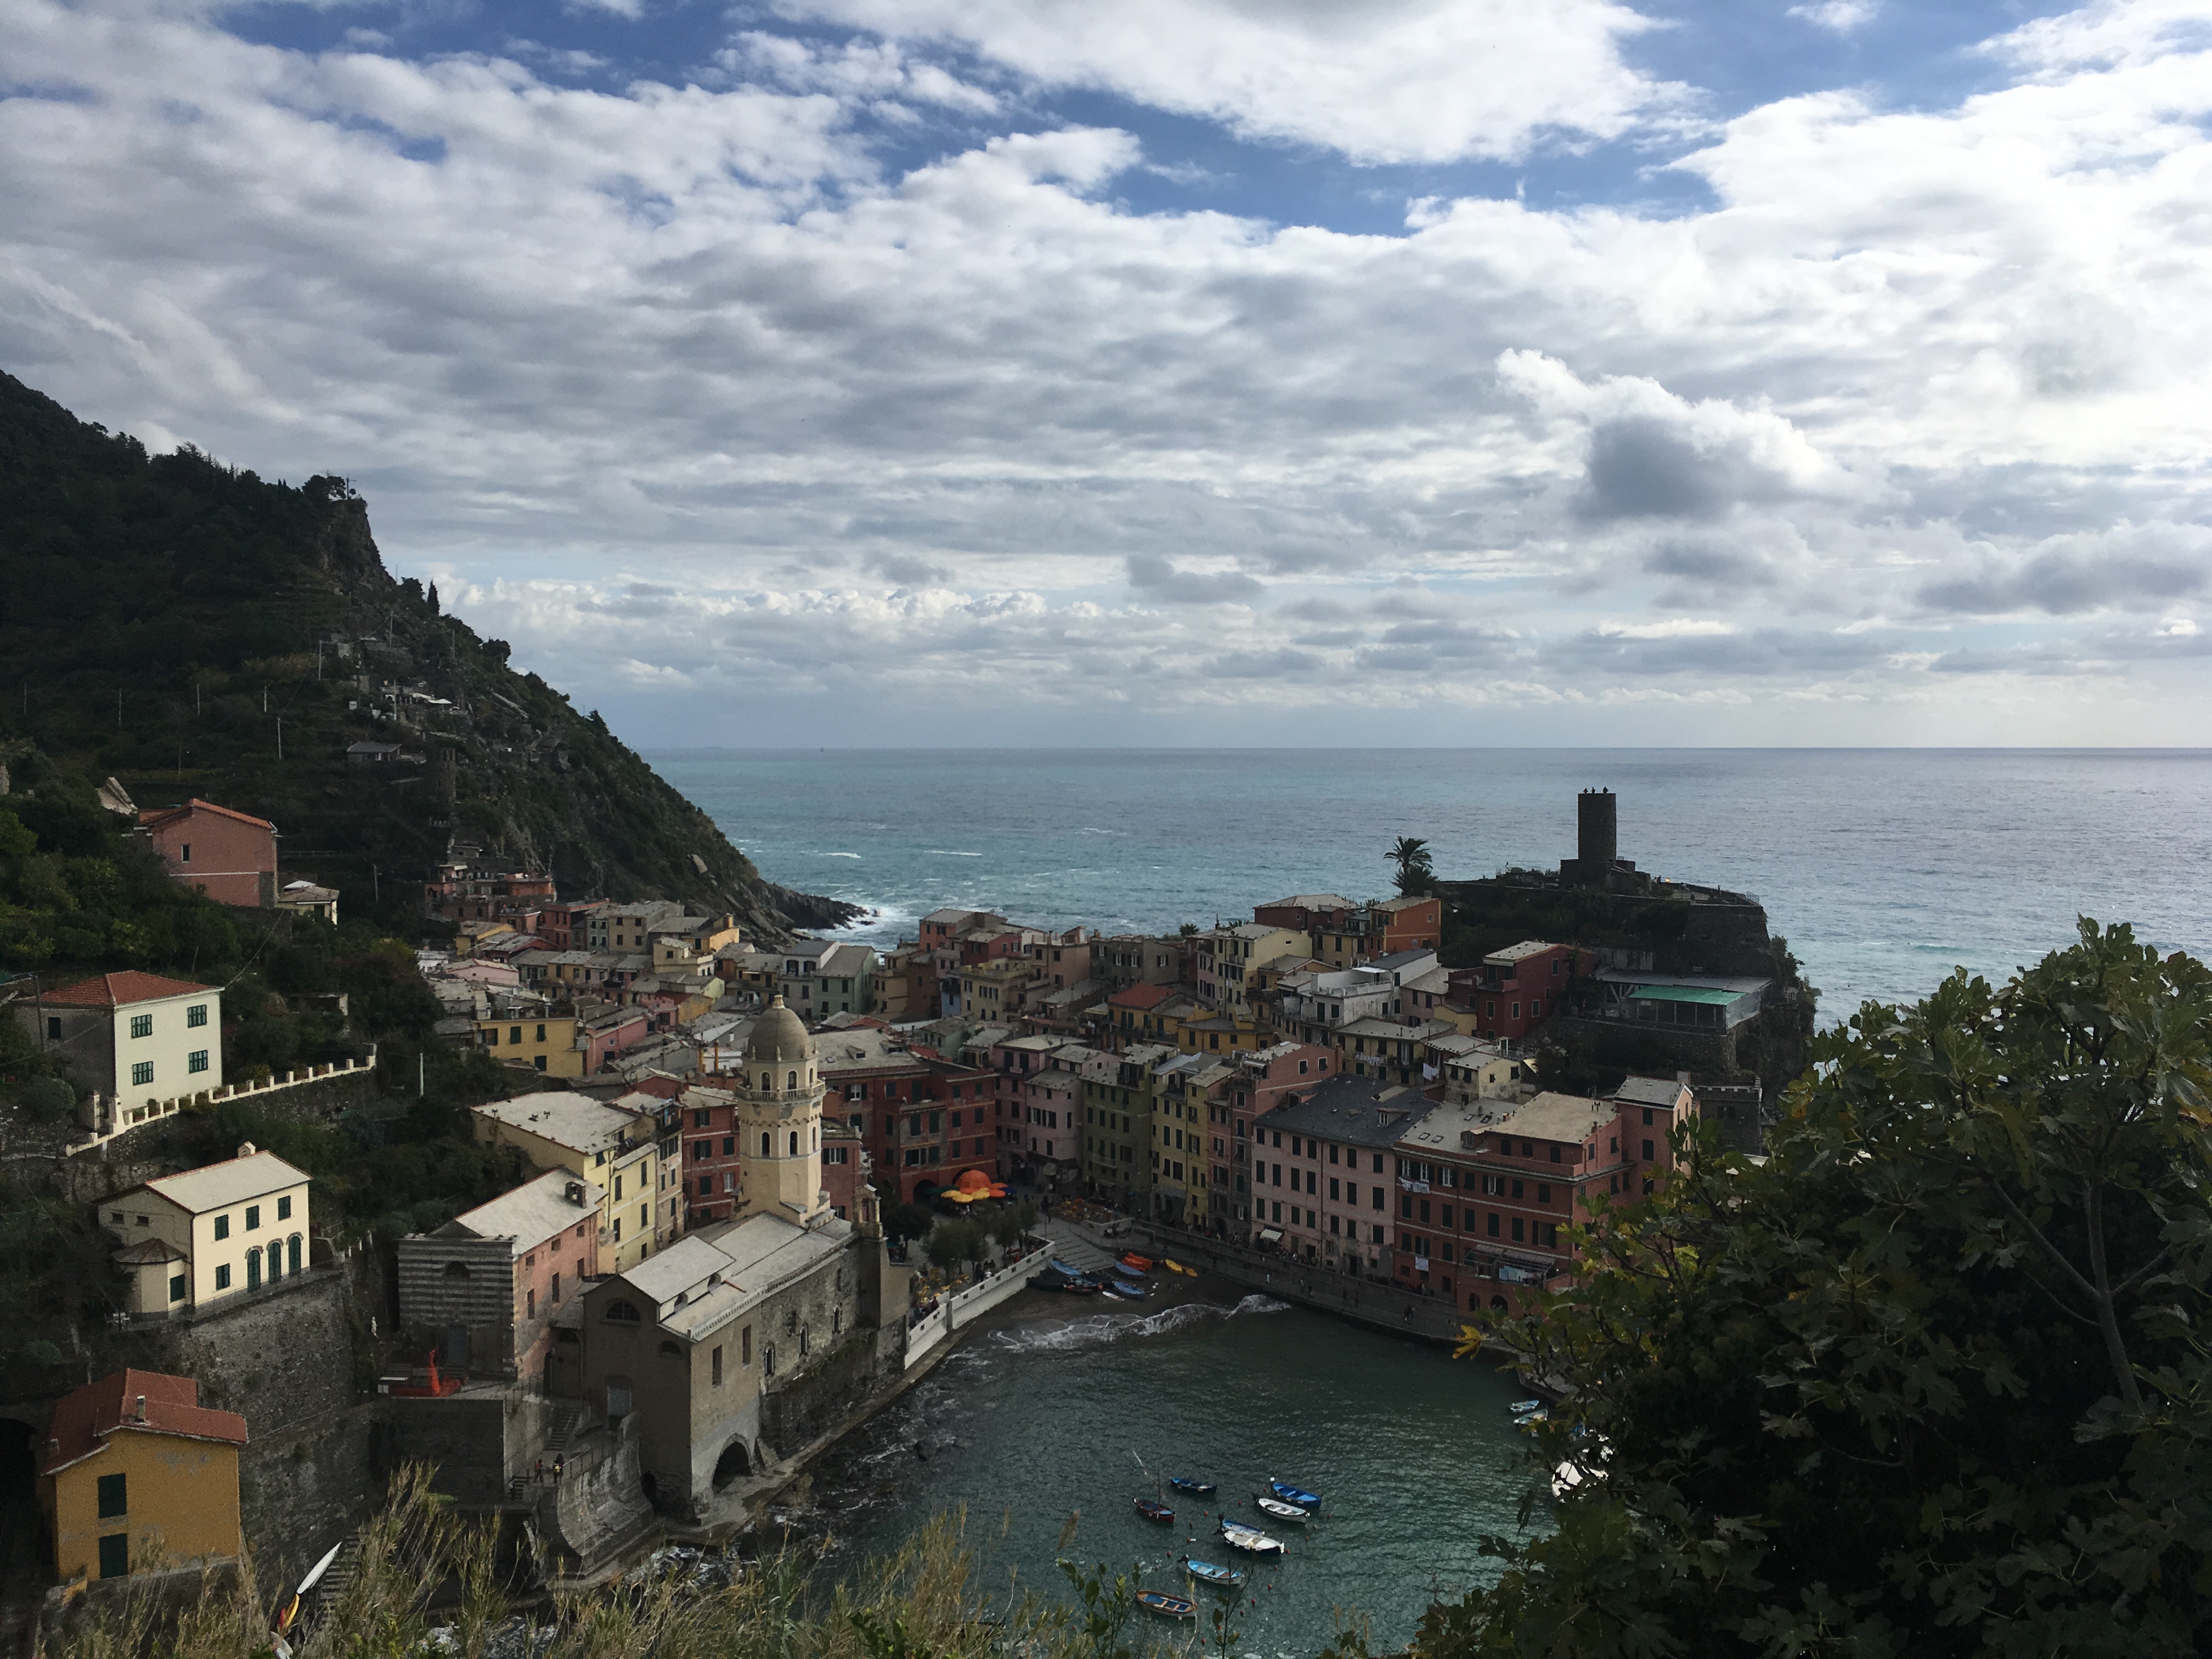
[{"x": 428, "y": 1584}]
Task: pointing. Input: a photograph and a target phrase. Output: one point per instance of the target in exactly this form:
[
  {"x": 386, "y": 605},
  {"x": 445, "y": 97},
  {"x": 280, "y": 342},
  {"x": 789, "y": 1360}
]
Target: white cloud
[
  {"x": 1842, "y": 16},
  {"x": 1381, "y": 80},
  {"x": 980, "y": 436}
]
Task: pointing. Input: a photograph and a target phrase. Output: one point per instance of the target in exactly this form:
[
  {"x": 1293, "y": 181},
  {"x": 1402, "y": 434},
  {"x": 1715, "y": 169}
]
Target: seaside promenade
[{"x": 1380, "y": 1306}]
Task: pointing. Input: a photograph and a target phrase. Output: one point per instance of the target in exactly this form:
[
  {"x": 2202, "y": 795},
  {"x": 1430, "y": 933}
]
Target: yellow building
[
  {"x": 613, "y": 1149},
  {"x": 1222, "y": 1037},
  {"x": 991, "y": 993},
  {"x": 547, "y": 1045},
  {"x": 137, "y": 1472},
  {"x": 216, "y": 1231}
]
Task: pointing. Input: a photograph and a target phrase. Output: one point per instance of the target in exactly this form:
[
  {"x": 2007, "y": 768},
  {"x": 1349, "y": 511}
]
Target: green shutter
[{"x": 114, "y": 1497}]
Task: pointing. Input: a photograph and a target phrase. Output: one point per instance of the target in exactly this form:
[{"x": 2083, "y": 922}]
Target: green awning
[{"x": 1686, "y": 993}]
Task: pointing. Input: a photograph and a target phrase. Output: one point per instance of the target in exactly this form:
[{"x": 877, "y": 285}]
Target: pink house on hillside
[{"x": 229, "y": 856}]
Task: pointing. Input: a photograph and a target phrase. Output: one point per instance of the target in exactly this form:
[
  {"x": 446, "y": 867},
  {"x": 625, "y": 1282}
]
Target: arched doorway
[
  {"x": 1498, "y": 1304},
  {"x": 731, "y": 1465}
]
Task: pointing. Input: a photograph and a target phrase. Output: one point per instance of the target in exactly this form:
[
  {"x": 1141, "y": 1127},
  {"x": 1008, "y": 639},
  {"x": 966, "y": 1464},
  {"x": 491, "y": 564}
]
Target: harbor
[{"x": 1056, "y": 1406}]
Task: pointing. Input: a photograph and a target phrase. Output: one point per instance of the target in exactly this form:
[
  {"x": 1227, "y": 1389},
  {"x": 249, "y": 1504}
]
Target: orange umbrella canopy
[{"x": 974, "y": 1182}]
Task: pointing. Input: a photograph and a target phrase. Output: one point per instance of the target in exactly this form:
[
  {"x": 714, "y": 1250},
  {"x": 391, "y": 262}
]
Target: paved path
[{"x": 1078, "y": 1246}]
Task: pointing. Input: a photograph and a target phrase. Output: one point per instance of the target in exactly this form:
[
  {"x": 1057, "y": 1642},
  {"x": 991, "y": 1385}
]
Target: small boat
[
  {"x": 1124, "y": 1291},
  {"x": 1143, "y": 1264},
  {"x": 1175, "y": 1267},
  {"x": 1290, "y": 1494},
  {"x": 1206, "y": 1572},
  {"x": 1192, "y": 1485},
  {"x": 1167, "y": 1605},
  {"x": 1067, "y": 1267},
  {"x": 1280, "y": 1510},
  {"x": 1533, "y": 1420},
  {"x": 1250, "y": 1540},
  {"x": 1152, "y": 1509},
  {"x": 1523, "y": 1408}
]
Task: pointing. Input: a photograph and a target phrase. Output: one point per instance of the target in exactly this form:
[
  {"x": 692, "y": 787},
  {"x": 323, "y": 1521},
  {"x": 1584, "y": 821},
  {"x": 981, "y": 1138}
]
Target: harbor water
[
  {"x": 1083, "y": 1409},
  {"x": 1884, "y": 868}
]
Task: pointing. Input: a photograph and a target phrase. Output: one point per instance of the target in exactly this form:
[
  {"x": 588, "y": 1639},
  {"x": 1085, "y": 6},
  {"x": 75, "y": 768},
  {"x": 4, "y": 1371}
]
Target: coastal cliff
[{"x": 190, "y": 628}]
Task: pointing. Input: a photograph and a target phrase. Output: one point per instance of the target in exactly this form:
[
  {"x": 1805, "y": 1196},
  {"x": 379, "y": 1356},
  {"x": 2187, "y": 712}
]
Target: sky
[{"x": 1006, "y": 371}]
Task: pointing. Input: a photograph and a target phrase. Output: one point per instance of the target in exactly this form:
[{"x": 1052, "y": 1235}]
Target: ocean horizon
[{"x": 1884, "y": 867}]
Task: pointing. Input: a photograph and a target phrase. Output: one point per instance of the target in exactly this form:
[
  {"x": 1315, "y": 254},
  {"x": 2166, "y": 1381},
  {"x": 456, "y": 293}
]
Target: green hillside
[{"x": 193, "y": 629}]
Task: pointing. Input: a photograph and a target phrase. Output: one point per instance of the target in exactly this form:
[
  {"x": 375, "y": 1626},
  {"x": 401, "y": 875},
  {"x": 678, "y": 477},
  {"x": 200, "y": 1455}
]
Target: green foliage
[
  {"x": 55, "y": 1277},
  {"x": 1416, "y": 869},
  {"x": 907, "y": 1220},
  {"x": 1929, "y": 1380},
  {"x": 951, "y": 1243},
  {"x": 1008, "y": 1223}
]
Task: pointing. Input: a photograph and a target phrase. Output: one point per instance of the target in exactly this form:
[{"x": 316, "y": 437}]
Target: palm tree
[{"x": 1415, "y": 873}]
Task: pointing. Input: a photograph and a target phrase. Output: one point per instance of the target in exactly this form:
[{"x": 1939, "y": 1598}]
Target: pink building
[
  {"x": 1325, "y": 1173},
  {"x": 1264, "y": 1080},
  {"x": 229, "y": 856},
  {"x": 482, "y": 1290}
]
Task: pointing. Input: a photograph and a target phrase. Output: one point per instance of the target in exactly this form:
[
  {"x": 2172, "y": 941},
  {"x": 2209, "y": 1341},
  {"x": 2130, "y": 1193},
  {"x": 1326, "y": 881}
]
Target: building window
[
  {"x": 252, "y": 1217},
  {"x": 623, "y": 1313},
  {"x": 197, "y": 1060},
  {"x": 222, "y": 1277},
  {"x": 283, "y": 1209},
  {"x": 115, "y": 1555},
  {"x": 176, "y": 1288},
  {"x": 196, "y": 1016},
  {"x": 746, "y": 1346},
  {"x": 717, "y": 1359},
  {"x": 222, "y": 1226},
  {"x": 143, "y": 1072},
  {"x": 142, "y": 1025},
  {"x": 530, "y": 1304},
  {"x": 114, "y": 1499}
]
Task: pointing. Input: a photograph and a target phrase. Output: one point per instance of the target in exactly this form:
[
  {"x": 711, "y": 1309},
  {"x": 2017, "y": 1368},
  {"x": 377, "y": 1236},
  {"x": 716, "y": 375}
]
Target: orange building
[{"x": 135, "y": 1472}]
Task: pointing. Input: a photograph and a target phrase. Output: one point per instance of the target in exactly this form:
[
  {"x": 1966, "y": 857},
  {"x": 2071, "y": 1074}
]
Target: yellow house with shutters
[
  {"x": 216, "y": 1231},
  {"x": 136, "y": 1473},
  {"x": 613, "y": 1148}
]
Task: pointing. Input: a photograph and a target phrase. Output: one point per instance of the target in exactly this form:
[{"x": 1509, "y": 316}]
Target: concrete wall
[
  {"x": 278, "y": 1359},
  {"x": 304, "y": 1487}
]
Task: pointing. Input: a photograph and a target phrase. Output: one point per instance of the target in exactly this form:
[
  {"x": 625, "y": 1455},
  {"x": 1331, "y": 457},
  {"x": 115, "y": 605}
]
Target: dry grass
[{"x": 921, "y": 1602}]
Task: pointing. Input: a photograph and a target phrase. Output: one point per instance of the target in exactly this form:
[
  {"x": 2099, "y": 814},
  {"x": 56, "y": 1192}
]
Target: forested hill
[{"x": 168, "y": 620}]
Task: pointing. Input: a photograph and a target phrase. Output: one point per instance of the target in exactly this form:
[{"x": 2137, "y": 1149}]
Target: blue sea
[{"x": 1884, "y": 868}]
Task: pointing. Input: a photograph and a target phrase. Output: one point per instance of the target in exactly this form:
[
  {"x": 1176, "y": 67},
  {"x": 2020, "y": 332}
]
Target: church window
[
  {"x": 766, "y": 1144},
  {"x": 791, "y": 1080},
  {"x": 794, "y": 1143}
]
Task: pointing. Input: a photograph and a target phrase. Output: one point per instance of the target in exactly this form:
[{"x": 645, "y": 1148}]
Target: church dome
[{"x": 779, "y": 1038}]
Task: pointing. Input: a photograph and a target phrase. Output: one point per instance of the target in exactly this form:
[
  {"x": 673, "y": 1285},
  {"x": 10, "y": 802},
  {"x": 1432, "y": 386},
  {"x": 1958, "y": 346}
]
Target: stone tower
[{"x": 779, "y": 1116}]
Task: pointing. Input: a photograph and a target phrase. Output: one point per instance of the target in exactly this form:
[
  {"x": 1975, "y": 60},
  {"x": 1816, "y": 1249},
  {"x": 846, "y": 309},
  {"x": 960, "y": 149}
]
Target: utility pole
[
  {"x": 280, "y": 737},
  {"x": 420, "y": 1086},
  {"x": 118, "y": 709}
]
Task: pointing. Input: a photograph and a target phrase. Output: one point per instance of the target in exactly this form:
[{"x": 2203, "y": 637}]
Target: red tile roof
[
  {"x": 170, "y": 814},
  {"x": 84, "y": 1418},
  {"x": 1142, "y": 996},
  {"x": 114, "y": 990}
]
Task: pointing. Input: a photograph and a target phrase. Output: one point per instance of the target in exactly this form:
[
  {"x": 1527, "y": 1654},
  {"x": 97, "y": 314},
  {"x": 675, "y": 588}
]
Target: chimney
[
  {"x": 138, "y": 1409},
  {"x": 576, "y": 1192},
  {"x": 245, "y": 1149}
]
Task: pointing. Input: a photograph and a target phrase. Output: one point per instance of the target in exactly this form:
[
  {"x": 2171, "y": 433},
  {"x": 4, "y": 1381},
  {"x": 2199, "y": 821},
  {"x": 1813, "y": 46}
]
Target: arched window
[
  {"x": 252, "y": 1270},
  {"x": 275, "y": 1261},
  {"x": 292, "y": 1250},
  {"x": 818, "y": 1137},
  {"x": 768, "y": 1080},
  {"x": 623, "y": 1313},
  {"x": 669, "y": 1350},
  {"x": 457, "y": 1270},
  {"x": 768, "y": 1146},
  {"x": 794, "y": 1143},
  {"x": 791, "y": 1080}
]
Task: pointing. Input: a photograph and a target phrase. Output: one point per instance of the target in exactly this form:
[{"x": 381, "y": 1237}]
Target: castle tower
[
  {"x": 1597, "y": 832},
  {"x": 779, "y": 1116}
]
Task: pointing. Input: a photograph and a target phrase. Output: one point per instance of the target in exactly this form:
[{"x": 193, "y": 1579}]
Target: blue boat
[
  {"x": 1194, "y": 1485},
  {"x": 1208, "y": 1572},
  {"x": 1290, "y": 1494},
  {"x": 1128, "y": 1272},
  {"x": 1067, "y": 1268},
  {"x": 1250, "y": 1540},
  {"x": 1124, "y": 1291}
]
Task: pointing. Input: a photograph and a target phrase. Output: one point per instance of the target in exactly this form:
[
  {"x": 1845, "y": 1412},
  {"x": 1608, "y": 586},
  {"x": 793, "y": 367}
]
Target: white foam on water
[
  {"x": 1256, "y": 1304},
  {"x": 950, "y": 852},
  {"x": 840, "y": 855},
  {"x": 1096, "y": 1329}
]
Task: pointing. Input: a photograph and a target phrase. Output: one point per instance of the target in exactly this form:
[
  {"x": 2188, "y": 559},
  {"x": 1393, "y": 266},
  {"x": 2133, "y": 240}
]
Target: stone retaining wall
[{"x": 1373, "y": 1303}]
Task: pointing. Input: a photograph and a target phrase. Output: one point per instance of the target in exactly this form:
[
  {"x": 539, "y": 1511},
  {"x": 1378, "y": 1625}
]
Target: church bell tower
[{"x": 779, "y": 1117}]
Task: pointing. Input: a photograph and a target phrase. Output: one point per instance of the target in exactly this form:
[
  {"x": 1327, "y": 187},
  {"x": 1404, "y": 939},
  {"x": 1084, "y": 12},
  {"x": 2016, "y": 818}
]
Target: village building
[
  {"x": 1515, "y": 990},
  {"x": 194, "y": 1239},
  {"x": 228, "y": 855},
  {"x": 614, "y": 1149},
  {"x": 690, "y": 1352},
  {"x": 818, "y": 979},
  {"x": 135, "y": 1473},
  {"x": 1324, "y": 1172},
  {"x": 483, "y": 1290},
  {"x": 1262, "y": 1081},
  {"x": 1118, "y": 1136},
  {"x": 142, "y": 1041}
]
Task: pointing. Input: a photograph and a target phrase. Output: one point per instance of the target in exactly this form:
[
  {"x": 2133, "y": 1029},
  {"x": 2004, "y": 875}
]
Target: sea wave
[
  {"x": 1256, "y": 1304},
  {"x": 951, "y": 853},
  {"x": 840, "y": 855},
  {"x": 1096, "y": 1329}
]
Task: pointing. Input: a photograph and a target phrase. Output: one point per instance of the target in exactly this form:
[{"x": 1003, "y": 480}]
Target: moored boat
[
  {"x": 1175, "y": 1267},
  {"x": 1167, "y": 1605},
  {"x": 1250, "y": 1540},
  {"x": 1124, "y": 1289},
  {"x": 1521, "y": 1407},
  {"x": 1152, "y": 1509},
  {"x": 1210, "y": 1572},
  {"x": 1143, "y": 1264},
  {"x": 1192, "y": 1485},
  {"x": 1280, "y": 1510},
  {"x": 1290, "y": 1494}
]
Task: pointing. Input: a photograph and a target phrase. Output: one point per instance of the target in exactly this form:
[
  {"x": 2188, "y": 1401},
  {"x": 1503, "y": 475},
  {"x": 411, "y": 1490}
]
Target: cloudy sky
[{"x": 1186, "y": 371}]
